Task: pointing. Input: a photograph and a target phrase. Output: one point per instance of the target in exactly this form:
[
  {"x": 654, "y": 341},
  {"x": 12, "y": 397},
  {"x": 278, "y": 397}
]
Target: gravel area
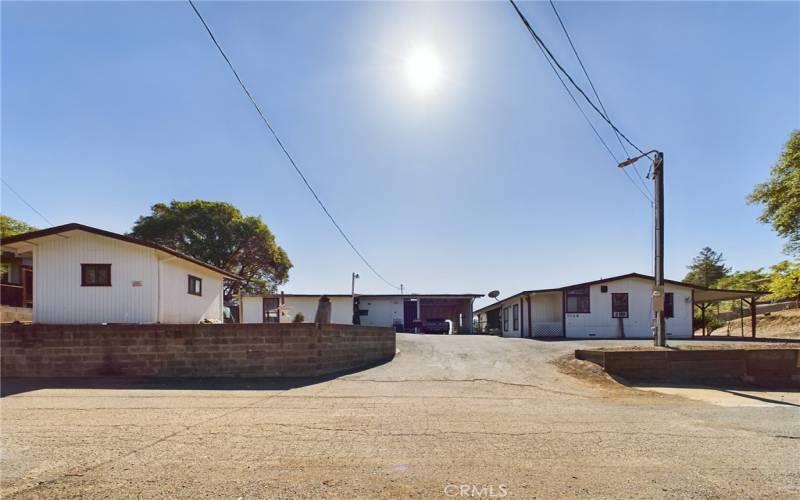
[{"x": 450, "y": 416}]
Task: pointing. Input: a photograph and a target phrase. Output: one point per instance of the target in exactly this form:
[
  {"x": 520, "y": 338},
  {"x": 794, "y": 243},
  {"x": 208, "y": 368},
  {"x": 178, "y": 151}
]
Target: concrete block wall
[
  {"x": 769, "y": 367},
  {"x": 228, "y": 350}
]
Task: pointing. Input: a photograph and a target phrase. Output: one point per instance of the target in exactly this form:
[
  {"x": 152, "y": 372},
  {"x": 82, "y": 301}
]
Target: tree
[
  {"x": 707, "y": 268},
  {"x": 299, "y": 318},
  {"x": 756, "y": 280},
  {"x": 744, "y": 280},
  {"x": 785, "y": 280},
  {"x": 217, "y": 233},
  {"x": 10, "y": 226},
  {"x": 780, "y": 195}
]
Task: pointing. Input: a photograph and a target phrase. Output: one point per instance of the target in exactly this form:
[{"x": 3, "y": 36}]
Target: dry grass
[{"x": 780, "y": 324}]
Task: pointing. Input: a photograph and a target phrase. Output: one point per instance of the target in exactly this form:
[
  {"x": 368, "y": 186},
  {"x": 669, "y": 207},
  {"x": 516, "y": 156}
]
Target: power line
[
  {"x": 571, "y": 80},
  {"x": 285, "y": 151},
  {"x": 588, "y": 120},
  {"x": 26, "y": 202},
  {"x": 594, "y": 90}
]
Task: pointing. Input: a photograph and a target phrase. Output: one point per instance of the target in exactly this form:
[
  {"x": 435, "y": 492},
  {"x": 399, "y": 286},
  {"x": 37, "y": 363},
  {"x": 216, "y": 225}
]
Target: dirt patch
[{"x": 586, "y": 371}]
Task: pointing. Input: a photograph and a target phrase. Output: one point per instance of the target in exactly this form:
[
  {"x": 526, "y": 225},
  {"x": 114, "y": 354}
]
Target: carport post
[
  {"x": 753, "y": 317},
  {"x": 703, "y": 318}
]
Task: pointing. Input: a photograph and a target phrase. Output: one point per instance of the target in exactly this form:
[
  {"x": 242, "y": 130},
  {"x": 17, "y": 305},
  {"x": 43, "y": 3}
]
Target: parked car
[{"x": 439, "y": 326}]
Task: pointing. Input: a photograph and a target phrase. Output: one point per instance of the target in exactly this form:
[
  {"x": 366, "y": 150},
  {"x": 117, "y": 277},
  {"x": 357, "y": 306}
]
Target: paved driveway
[{"x": 449, "y": 416}]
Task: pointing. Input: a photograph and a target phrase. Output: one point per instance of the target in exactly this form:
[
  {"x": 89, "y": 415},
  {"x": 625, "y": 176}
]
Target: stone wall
[
  {"x": 769, "y": 367},
  {"x": 229, "y": 350}
]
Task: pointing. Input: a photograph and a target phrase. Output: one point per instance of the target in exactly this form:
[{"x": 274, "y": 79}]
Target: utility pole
[
  {"x": 660, "y": 334},
  {"x": 353, "y": 284},
  {"x": 658, "y": 294}
]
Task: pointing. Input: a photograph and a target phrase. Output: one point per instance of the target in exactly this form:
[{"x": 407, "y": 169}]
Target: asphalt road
[{"x": 448, "y": 417}]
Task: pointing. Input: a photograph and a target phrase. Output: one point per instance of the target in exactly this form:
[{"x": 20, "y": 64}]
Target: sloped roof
[
  {"x": 74, "y": 226},
  {"x": 702, "y": 293}
]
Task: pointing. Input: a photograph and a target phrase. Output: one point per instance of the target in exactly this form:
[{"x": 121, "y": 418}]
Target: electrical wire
[
  {"x": 594, "y": 90},
  {"x": 588, "y": 120},
  {"x": 285, "y": 151},
  {"x": 571, "y": 80},
  {"x": 26, "y": 202}
]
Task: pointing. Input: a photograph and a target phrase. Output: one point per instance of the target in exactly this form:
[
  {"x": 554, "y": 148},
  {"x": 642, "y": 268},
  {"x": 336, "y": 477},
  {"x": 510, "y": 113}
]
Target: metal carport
[{"x": 705, "y": 297}]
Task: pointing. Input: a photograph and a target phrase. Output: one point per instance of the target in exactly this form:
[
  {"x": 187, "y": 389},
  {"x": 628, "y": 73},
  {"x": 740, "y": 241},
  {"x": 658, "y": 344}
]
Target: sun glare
[{"x": 423, "y": 70}]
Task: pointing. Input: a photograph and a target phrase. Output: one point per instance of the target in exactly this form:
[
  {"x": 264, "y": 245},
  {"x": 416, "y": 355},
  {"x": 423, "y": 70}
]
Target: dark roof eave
[{"x": 74, "y": 226}]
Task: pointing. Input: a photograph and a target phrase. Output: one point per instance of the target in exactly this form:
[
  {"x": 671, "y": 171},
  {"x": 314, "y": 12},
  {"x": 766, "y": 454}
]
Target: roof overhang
[
  {"x": 713, "y": 295},
  {"x": 27, "y": 241},
  {"x": 701, "y": 294}
]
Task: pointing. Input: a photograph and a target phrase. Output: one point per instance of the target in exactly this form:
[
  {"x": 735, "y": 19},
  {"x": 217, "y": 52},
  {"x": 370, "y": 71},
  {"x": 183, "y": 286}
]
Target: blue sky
[{"x": 491, "y": 180}]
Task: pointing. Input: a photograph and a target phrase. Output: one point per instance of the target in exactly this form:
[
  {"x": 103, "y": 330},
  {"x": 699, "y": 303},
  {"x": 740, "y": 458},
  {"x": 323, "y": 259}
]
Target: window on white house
[
  {"x": 578, "y": 300},
  {"x": 515, "y": 315},
  {"x": 195, "y": 286},
  {"x": 619, "y": 305},
  {"x": 669, "y": 305},
  {"x": 271, "y": 310},
  {"x": 505, "y": 319},
  {"x": 95, "y": 274}
]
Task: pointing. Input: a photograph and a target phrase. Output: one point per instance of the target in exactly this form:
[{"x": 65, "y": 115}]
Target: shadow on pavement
[{"x": 761, "y": 398}]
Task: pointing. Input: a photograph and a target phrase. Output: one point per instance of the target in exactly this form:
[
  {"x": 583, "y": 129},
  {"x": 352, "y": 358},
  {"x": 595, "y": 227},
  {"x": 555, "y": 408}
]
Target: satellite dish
[{"x": 494, "y": 294}]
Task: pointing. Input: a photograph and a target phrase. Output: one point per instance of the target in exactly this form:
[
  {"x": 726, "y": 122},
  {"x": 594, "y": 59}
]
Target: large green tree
[
  {"x": 756, "y": 280},
  {"x": 218, "y": 233},
  {"x": 744, "y": 280},
  {"x": 780, "y": 195},
  {"x": 707, "y": 268},
  {"x": 10, "y": 226},
  {"x": 785, "y": 281}
]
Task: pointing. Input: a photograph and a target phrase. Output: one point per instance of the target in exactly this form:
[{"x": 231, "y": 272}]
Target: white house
[
  {"x": 403, "y": 312},
  {"x": 82, "y": 274},
  {"x": 283, "y": 308},
  {"x": 616, "y": 307}
]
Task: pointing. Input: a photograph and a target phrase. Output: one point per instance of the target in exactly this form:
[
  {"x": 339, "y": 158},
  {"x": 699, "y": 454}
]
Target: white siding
[
  {"x": 546, "y": 307},
  {"x": 509, "y": 304},
  {"x": 547, "y": 317},
  {"x": 381, "y": 311},
  {"x": 253, "y": 310},
  {"x": 177, "y": 304},
  {"x": 598, "y": 323},
  {"x": 341, "y": 309},
  {"x": 58, "y": 296}
]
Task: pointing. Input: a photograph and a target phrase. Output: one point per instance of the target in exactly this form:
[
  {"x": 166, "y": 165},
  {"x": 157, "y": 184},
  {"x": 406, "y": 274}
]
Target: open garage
[{"x": 410, "y": 313}]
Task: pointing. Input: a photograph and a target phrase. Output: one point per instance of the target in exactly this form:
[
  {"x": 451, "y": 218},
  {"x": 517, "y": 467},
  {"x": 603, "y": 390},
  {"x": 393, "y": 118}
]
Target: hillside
[{"x": 779, "y": 324}]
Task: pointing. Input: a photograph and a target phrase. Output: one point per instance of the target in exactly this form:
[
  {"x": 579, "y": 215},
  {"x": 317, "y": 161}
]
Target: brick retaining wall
[
  {"x": 765, "y": 367},
  {"x": 230, "y": 350}
]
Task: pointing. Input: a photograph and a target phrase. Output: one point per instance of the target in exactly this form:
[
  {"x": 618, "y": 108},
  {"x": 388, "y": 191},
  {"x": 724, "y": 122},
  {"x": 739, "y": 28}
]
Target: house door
[
  {"x": 409, "y": 315},
  {"x": 271, "y": 311},
  {"x": 27, "y": 286}
]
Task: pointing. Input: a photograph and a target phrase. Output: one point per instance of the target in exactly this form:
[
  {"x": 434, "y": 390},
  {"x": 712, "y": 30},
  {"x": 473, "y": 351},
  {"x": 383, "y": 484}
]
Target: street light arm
[{"x": 631, "y": 161}]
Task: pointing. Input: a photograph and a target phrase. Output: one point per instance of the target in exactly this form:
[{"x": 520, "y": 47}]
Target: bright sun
[{"x": 423, "y": 69}]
